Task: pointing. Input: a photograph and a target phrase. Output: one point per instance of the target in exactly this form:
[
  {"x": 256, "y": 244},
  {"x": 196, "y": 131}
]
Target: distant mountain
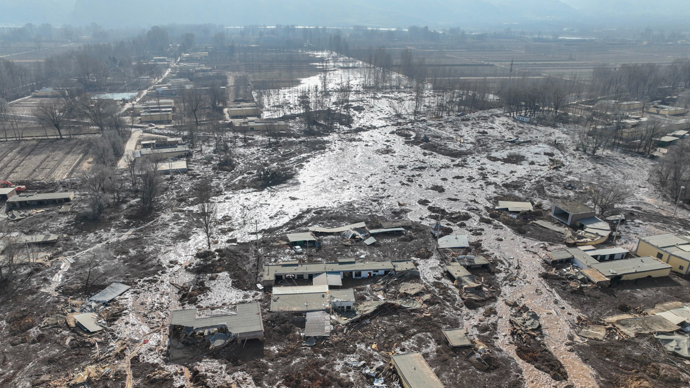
[{"x": 385, "y": 13}]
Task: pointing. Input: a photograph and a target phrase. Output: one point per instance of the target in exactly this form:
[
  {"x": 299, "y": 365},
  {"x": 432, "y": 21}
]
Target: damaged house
[
  {"x": 590, "y": 230},
  {"x": 246, "y": 324},
  {"x": 304, "y": 299}
]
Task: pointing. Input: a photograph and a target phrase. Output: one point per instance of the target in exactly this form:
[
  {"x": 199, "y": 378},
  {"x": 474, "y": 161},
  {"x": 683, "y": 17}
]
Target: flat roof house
[
  {"x": 344, "y": 267},
  {"x": 669, "y": 248},
  {"x": 246, "y": 324},
  {"x": 30, "y": 200}
]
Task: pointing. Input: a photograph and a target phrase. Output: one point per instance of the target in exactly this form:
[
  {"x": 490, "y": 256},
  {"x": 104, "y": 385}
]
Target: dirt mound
[{"x": 312, "y": 376}]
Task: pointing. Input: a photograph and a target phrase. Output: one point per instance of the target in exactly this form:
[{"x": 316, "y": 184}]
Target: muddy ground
[{"x": 386, "y": 166}]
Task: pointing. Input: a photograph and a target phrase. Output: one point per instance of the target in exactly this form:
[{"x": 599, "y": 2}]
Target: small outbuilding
[
  {"x": 302, "y": 239},
  {"x": 569, "y": 212},
  {"x": 453, "y": 242},
  {"x": 6, "y": 193}
]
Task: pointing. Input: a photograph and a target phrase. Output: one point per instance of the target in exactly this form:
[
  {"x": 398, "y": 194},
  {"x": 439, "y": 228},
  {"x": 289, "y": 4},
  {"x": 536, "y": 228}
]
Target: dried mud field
[
  {"x": 385, "y": 166},
  {"x": 42, "y": 160}
]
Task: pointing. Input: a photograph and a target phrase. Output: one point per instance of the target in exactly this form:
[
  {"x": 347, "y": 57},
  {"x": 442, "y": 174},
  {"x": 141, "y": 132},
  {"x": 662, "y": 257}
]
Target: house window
[
  {"x": 348, "y": 308},
  {"x": 358, "y": 274},
  {"x": 680, "y": 267},
  {"x": 659, "y": 255}
]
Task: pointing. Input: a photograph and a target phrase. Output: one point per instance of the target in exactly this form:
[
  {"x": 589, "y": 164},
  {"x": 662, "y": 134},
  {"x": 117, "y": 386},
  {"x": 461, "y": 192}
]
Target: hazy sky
[{"x": 470, "y": 14}]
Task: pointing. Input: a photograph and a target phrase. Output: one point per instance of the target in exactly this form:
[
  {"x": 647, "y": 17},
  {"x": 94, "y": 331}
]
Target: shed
[
  {"x": 414, "y": 371},
  {"x": 454, "y": 241},
  {"x": 6, "y": 193},
  {"x": 304, "y": 238},
  {"x": 343, "y": 300},
  {"x": 568, "y": 212},
  {"x": 457, "y": 338}
]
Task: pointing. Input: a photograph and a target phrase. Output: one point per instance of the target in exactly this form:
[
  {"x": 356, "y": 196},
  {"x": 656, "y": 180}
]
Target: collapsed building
[
  {"x": 303, "y": 299},
  {"x": 590, "y": 230}
]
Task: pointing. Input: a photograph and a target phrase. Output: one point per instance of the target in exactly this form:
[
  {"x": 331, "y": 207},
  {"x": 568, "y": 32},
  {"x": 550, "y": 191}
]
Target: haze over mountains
[{"x": 470, "y": 14}]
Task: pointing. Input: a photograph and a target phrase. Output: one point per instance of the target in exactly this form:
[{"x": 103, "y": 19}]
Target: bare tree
[
  {"x": 53, "y": 114},
  {"x": 195, "y": 103},
  {"x": 150, "y": 185},
  {"x": 606, "y": 195},
  {"x": 206, "y": 209},
  {"x": 93, "y": 271}
]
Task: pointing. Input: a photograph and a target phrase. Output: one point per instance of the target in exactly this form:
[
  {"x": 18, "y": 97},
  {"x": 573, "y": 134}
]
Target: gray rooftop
[
  {"x": 415, "y": 372},
  {"x": 6, "y": 190},
  {"x": 514, "y": 206},
  {"x": 109, "y": 293},
  {"x": 665, "y": 240},
  {"x": 306, "y": 236},
  {"x": 88, "y": 322},
  {"x": 574, "y": 207},
  {"x": 328, "y": 279},
  {"x": 271, "y": 270},
  {"x": 455, "y": 241},
  {"x": 315, "y": 289},
  {"x": 457, "y": 337},
  {"x": 247, "y": 319},
  {"x": 630, "y": 266},
  {"x": 300, "y": 303},
  {"x": 346, "y": 295}
]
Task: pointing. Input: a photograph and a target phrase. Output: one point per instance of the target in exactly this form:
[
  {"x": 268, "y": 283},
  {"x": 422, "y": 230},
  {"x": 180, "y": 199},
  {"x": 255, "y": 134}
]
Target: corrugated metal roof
[
  {"x": 455, "y": 241},
  {"x": 317, "y": 324},
  {"x": 305, "y": 236},
  {"x": 415, "y": 372},
  {"x": 247, "y": 319},
  {"x": 109, "y": 293}
]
